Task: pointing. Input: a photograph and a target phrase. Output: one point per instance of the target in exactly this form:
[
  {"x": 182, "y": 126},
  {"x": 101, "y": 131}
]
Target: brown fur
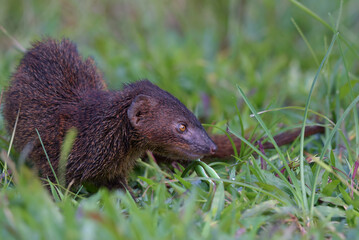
[{"x": 54, "y": 89}]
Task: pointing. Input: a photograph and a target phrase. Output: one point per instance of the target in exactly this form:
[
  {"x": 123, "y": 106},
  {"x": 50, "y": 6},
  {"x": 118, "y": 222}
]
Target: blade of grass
[
  {"x": 254, "y": 188},
  {"x": 64, "y": 154},
  {"x": 330, "y": 170},
  {"x": 356, "y": 124},
  {"x": 217, "y": 203},
  {"x": 215, "y": 200},
  {"x": 307, "y": 104},
  {"x": 275, "y": 169},
  {"x": 11, "y": 142},
  {"x": 315, "y": 16},
  {"x": 15, "y": 42},
  {"x": 306, "y": 41},
  {"x": 296, "y": 188},
  {"x": 5, "y": 157},
  {"x": 311, "y": 13},
  {"x": 296, "y": 108},
  {"x": 326, "y": 146},
  {"x": 242, "y": 130},
  {"x": 339, "y": 15},
  {"x": 345, "y": 140},
  {"x": 13, "y": 132},
  {"x": 47, "y": 157}
]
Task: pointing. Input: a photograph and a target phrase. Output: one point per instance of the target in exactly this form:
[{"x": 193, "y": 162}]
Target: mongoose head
[{"x": 167, "y": 127}]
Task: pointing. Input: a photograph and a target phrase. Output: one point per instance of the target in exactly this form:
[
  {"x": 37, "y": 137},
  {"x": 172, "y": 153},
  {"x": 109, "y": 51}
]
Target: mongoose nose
[{"x": 213, "y": 149}]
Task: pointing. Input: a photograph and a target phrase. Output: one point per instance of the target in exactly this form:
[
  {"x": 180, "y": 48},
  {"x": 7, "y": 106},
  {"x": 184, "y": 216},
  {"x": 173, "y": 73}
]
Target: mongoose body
[{"x": 54, "y": 89}]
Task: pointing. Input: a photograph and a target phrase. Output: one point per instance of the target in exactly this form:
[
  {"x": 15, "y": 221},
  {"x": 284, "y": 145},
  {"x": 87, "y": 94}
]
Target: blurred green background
[{"x": 194, "y": 49}]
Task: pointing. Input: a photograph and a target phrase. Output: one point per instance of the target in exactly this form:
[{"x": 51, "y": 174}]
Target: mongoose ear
[{"x": 140, "y": 108}]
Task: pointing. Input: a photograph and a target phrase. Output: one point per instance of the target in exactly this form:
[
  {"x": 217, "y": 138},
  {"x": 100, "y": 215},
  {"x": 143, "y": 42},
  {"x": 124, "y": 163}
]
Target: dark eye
[{"x": 181, "y": 128}]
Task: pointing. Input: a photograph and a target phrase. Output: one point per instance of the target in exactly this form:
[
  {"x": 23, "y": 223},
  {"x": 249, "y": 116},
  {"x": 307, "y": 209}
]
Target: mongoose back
[{"x": 54, "y": 89}]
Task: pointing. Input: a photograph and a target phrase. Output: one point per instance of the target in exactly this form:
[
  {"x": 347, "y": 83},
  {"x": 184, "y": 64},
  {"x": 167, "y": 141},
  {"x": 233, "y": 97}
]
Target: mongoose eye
[{"x": 181, "y": 128}]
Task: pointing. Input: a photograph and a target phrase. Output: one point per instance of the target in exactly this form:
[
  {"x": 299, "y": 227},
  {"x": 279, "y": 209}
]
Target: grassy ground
[{"x": 239, "y": 57}]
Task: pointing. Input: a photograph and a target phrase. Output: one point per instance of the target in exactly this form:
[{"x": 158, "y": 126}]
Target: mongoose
[{"x": 54, "y": 89}]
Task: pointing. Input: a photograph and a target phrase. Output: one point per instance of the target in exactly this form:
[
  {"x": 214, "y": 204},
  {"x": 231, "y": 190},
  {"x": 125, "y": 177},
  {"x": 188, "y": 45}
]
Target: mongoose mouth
[
  {"x": 184, "y": 154},
  {"x": 180, "y": 154}
]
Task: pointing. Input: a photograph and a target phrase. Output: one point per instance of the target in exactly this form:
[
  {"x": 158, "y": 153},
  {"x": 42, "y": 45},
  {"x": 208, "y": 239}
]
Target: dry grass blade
[{"x": 13, "y": 40}]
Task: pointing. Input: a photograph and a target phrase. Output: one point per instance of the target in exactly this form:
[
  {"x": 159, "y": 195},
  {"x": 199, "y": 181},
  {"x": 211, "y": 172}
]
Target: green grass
[{"x": 298, "y": 58}]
